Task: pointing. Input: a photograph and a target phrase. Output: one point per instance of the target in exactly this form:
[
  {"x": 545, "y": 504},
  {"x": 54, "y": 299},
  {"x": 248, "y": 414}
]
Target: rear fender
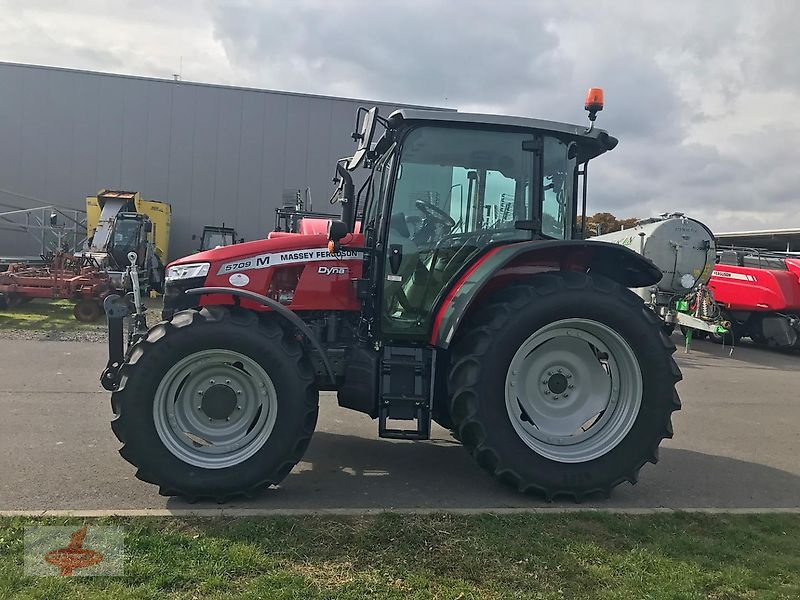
[{"x": 500, "y": 265}]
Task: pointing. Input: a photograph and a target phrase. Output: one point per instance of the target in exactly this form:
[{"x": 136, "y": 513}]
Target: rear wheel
[
  {"x": 215, "y": 404},
  {"x": 564, "y": 385}
]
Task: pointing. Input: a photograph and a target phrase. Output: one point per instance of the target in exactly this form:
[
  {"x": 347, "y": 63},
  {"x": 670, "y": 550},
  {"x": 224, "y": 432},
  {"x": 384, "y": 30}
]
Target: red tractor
[
  {"x": 455, "y": 288},
  {"x": 760, "y": 293}
]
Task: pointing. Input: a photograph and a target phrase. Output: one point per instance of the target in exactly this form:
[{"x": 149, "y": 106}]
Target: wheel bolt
[
  {"x": 210, "y": 419},
  {"x": 200, "y": 392},
  {"x": 569, "y": 375},
  {"x": 547, "y": 392},
  {"x": 239, "y": 407},
  {"x": 544, "y": 381},
  {"x": 199, "y": 408},
  {"x": 227, "y": 418},
  {"x": 228, "y": 381},
  {"x": 211, "y": 381},
  {"x": 555, "y": 397},
  {"x": 570, "y": 386},
  {"x": 239, "y": 392},
  {"x": 561, "y": 370}
]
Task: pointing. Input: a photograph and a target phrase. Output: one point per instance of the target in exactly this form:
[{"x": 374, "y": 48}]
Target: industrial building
[{"x": 215, "y": 153}]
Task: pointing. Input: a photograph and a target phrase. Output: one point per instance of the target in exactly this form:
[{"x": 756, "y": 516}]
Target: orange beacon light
[{"x": 594, "y": 102}]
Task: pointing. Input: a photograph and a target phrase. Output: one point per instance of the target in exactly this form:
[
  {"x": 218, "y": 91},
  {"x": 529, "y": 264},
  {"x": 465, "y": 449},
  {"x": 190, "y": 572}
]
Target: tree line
[{"x": 604, "y": 222}]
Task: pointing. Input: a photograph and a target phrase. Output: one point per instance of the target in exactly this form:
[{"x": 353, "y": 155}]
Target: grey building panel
[
  {"x": 134, "y": 134},
  {"x": 273, "y": 175},
  {"x": 57, "y": 165},
  {"x": 215, "y": 153},
  {"x": 298, "y": 133},
  {"x": 158, "y": 99},
  {"x": 33, "y": 146},
  {"x": 111, "y": 119},
  {"x": 11, "y": 105},
  {"x": 204, "y": 152},
  {"x": 229, "y": 144},
  {"x": 249, "y": 186},
  {"x": 181, "y": 159},
  {"x": 86, "y": 143}
]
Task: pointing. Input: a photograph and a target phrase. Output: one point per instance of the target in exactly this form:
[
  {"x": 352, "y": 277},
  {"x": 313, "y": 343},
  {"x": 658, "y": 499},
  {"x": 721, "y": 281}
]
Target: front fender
[{"x": 501, "y": 263}]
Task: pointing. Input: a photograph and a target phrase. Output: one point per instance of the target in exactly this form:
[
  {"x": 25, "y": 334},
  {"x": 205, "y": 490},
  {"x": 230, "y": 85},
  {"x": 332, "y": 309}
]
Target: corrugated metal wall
[{"x": 215, "y": 153}]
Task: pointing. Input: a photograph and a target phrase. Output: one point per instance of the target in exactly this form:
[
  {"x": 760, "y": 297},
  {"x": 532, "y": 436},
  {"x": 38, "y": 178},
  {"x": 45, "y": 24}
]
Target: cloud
[{"x": 703, "y": 95}]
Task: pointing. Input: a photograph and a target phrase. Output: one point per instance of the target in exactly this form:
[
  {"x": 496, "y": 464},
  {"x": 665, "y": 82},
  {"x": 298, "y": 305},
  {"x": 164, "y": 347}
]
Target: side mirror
[{"x": 364, "y": 138}]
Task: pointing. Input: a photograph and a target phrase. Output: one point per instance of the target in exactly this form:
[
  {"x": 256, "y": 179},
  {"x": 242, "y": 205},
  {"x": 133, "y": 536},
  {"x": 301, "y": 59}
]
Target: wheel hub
[
  {"x": 557, "y": 383},
  {"x": 219, "y": 401},
  {"x": 215, "y": 408},
  {"x": 573, "y": 390}
]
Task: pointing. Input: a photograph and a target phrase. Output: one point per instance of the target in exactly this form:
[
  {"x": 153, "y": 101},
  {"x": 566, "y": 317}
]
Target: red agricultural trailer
[
  {"x": 760, "y": 295},
  {"x": 63, "y": 277}
]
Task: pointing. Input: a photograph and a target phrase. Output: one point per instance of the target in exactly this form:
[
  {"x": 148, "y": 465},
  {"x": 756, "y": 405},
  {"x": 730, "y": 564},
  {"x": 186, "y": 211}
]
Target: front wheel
[
  {"x": 215, "y": 404},
  {"x": 564, "y": 385}
]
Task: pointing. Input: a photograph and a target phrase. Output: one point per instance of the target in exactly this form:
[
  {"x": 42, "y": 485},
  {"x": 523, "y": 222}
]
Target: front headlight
[{"x": 189, "y": 271}]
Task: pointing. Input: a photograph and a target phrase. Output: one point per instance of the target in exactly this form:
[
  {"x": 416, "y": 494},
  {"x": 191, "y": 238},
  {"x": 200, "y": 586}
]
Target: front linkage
[{"x": 117, "y": 308}]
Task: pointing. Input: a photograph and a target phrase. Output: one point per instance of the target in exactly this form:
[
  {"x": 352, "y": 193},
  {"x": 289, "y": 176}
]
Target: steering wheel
[{"x": 435, "y": 213}]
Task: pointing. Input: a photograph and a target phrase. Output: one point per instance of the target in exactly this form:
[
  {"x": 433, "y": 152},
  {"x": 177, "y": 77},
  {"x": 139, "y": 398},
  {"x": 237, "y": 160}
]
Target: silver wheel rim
[
  {"x": 573, "y": 390},
  {"x": 215, "y": 408}
]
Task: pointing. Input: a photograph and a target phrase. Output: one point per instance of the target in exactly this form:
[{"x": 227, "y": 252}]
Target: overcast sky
[{"x": 704, "y": 95}]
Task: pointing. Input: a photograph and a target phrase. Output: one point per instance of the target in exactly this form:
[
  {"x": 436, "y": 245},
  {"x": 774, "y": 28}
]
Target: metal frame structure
[{"x": 43, "y": 224}]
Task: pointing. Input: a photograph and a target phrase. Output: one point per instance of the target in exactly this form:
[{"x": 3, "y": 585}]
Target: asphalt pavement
[{"x": 736, "y": 445}]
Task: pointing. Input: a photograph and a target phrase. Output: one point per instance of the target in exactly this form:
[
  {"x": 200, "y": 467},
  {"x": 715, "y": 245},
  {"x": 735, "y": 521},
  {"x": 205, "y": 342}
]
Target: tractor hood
[
  {"x": 285, "y": 242},
  {"x": 313, "y": 234}
]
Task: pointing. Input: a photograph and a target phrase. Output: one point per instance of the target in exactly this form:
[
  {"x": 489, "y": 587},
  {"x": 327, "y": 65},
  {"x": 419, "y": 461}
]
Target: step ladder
[{"x": 405, "y": 389}]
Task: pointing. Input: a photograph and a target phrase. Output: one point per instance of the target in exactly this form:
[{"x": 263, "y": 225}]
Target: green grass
[
  {"x": 675, "y": 556},
  {"x": 56, "y": 315},
  {"x": 50, "y": 315}
]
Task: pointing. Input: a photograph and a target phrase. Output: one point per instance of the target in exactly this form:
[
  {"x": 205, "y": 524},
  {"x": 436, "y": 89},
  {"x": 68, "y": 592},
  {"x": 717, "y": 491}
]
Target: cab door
[{"x": 454, "y": 193}]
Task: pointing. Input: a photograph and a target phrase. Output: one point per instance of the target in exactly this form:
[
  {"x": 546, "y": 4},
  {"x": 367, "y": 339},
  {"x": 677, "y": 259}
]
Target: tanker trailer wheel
[
  {"x": 563, "y": 385},
  {"x": 87, "y": 310},
  {"x": 215, "y": 404}
]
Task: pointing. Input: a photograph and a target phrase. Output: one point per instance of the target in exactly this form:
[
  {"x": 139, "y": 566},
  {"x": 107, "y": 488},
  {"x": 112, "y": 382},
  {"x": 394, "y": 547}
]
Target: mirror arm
[{"x": 348, "y": 192}]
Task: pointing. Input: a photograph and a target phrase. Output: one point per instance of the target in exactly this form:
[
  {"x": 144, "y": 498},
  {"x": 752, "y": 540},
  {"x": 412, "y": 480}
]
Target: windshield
[
  {"x": 212, "y": 239},
  {"x": 479, "y": 180},
  {"x": 126, "y": 234}
]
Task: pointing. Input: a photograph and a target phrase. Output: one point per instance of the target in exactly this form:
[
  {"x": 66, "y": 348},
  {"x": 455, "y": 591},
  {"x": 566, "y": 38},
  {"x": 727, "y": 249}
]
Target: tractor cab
[
  {"x": 129, "y": 234},
  {"x": 214, "y": 237},
  {"x": 444, "y": 187}
]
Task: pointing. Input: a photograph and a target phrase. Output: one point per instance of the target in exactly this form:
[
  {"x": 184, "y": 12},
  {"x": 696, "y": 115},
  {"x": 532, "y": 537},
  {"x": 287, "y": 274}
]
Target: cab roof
[{"x": 591, "y": 144}]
